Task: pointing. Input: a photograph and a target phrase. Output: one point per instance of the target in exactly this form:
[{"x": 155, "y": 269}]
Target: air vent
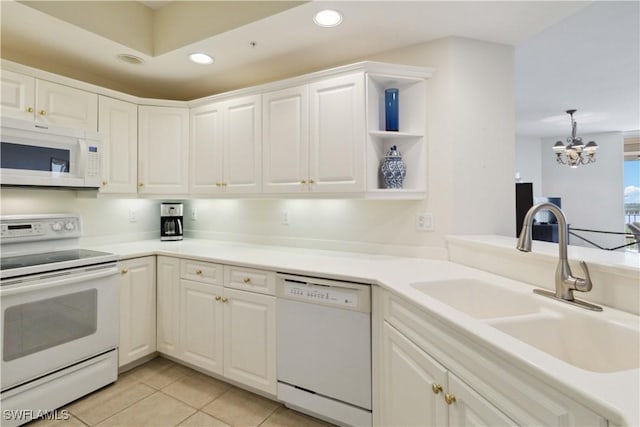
[{"x": 130, "y": 59}]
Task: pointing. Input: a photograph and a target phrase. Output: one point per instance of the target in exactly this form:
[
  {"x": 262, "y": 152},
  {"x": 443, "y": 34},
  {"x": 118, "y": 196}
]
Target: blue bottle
[{"x": 391, "y": 109}]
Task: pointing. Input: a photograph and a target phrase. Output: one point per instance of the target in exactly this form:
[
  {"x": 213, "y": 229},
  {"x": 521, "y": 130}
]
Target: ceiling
[{"x": 259, "y": 41}]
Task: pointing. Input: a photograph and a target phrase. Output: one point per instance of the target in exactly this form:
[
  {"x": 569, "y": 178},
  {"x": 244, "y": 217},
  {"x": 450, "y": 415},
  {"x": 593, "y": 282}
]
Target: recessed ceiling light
[
  {"x": 327, "y": 18},
  {"x": 130, "y": 59},
  {"x": 201, "y": 58}
]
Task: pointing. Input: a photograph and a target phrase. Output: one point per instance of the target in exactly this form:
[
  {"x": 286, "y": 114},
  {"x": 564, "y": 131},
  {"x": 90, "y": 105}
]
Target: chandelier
[{"x": 575, "y": 153}]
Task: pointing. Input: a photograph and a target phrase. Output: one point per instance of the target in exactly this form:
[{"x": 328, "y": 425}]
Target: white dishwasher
[{"x": 324, "y": 348}]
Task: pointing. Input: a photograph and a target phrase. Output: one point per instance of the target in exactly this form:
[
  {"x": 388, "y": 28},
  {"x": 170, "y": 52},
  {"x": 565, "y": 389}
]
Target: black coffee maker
[{"x": 171, "y": 221}]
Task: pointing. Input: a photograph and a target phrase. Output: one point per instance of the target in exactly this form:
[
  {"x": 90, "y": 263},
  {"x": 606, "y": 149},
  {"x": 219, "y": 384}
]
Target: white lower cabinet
[
  {"x": 419, "y": 391},
  {"x": 201, "y": 325},
  {"x": 203, "y": 321},
  {"x": 137, "y": 309},
  {"x": 250, "y": 339},
  {"x": 427, "y": 374}
]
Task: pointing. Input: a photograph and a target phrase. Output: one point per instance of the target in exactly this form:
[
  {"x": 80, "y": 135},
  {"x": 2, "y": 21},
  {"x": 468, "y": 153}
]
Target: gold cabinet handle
[
  {"x": 43, "y": 113},
  {"x": 311, "y": 181},
  {"x": 225, "y": 299},
  {"x": 247, "y": 280},
  {"x": 198, "y": 272},
  {"x": 218, "y": 184},
  {"x": 124, "y": 271},
  {"x": 140, "y": 184},
  {"x": 218, "y": 297},
  {"x": 224, "y": 184},
  {"x": 304, "y": 181},
  {"x": 449, "y": 398},
  {"x": 29, "y": 109},
  {"x": 437, "y": 388}
]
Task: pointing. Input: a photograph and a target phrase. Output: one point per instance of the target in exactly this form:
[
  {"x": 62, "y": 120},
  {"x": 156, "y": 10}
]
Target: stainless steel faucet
[{"x": 566, "y": 283}]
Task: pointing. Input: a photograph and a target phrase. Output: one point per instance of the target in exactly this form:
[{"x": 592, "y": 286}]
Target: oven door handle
[{"x": 57, "y": 281}]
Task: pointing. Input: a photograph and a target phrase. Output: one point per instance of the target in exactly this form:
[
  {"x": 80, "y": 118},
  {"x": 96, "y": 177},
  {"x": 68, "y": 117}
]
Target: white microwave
[{"x": 40, "y": 155}]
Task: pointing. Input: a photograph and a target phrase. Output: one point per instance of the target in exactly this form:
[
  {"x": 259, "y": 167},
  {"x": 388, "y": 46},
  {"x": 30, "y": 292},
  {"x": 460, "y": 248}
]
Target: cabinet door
[
  {"x": 408, "y": 376},
  {"x": 18, "y": 95},
  {"x": 201, "y": 320},
  {"x": 471, "y": 409},
  {"x": 163, "y": 150},
  {"x": 337, "y": 134},
  {"x": 205, "y": 164},
  {"x": 66, "y": 106},
  {"x": 168, "y": 305},
  {"x": 250, "y": 339},
  {"x": 242, "y": 150},
  {"x": 118, "y": 126},
  {"x": 137, "y": 309},
  {"x": 285, "y": 143}
]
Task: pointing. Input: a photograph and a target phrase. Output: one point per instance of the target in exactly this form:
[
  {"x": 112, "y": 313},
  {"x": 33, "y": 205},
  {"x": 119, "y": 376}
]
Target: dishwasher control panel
[{"x": 325, "y": 294}]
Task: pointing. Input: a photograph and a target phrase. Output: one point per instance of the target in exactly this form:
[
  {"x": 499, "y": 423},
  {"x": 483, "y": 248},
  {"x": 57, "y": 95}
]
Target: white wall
[
  {"x": 528, "y": 161},
  {"x": 592, "y": 195}
]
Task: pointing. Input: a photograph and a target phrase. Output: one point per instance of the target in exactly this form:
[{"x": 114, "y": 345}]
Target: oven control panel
[{"x": 17, "y": 229}]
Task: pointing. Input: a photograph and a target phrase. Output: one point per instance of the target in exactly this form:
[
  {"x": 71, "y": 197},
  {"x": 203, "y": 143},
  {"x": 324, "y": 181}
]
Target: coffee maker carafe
[{"x": 171, "y": 221}]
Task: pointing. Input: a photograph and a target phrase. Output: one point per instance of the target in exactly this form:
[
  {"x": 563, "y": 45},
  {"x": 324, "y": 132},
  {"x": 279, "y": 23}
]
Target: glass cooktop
[{"x": 30, "y": 260}]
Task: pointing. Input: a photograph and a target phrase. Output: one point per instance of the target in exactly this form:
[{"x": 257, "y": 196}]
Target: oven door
[{"x": 50, "y": 321}]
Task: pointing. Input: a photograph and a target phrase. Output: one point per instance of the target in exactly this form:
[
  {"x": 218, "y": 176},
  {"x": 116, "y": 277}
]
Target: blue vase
[
  {"x": 391, "y": 109},
  {"x": 393, "y": 169}
]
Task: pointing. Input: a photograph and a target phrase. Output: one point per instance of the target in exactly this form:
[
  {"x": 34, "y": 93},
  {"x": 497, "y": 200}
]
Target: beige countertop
[{"x": 615, "y": 396}]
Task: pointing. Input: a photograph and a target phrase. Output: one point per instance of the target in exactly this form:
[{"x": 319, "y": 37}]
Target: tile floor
[{"x": 164, "y": 393}]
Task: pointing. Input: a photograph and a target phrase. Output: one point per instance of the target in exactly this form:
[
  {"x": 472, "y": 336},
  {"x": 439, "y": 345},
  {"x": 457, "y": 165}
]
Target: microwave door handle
[
  {"x": 47, "y": 283},
  {"x": 81, "y": 166}
]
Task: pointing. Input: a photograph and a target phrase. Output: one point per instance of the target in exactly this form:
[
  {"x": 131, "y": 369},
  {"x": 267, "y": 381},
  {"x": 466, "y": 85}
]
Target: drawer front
[
  {"x": 199, "y": 271},
  {"x": 249, "y": 279}
]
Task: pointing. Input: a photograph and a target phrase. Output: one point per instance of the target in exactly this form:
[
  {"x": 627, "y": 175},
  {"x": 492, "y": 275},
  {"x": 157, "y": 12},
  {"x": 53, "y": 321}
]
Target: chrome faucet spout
[{"x": 565, "y": 282}]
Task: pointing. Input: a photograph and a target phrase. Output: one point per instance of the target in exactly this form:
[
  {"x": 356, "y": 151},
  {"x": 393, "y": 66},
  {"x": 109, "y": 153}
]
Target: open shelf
[{"x": 410, "y": 139}]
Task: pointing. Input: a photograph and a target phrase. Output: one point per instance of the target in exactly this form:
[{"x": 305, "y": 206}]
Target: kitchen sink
[
  {"x": 479, "y": 299},
  {"x": 587, "y": 342}
]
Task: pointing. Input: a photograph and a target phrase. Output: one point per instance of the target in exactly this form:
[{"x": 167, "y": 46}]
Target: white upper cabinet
[
  {"x": 226, "y": 147},
  {"x": 27, "y": 98},
  {"x": 61, "y": 105},
  {"x": 118, "y": 127},
  {"x": 337, "y": 134},
  {"x": 163, "y": 150},
  {"x": 285, "y": 142},
  {"x": 18, "y": 95}
]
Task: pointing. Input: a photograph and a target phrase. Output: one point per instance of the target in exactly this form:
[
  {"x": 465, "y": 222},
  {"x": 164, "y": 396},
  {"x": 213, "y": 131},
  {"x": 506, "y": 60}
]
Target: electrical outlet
[
  {"x": 424, "y": 221},
  {"x": 132, "y": 215},
  {"x": 285, "y": 217},
  {"x": 194, "y": 214}
]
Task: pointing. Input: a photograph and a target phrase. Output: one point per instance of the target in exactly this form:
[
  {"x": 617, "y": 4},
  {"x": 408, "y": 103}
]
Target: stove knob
[
  {"x": 57, "y": 226},
  {"x": 69, "y": 226}
]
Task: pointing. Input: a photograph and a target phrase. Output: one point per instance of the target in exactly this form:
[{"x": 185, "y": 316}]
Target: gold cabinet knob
[
  {"x": 29, "y": 109},
  {"x": 311, "y": 181},
  {"x": 247, "y": 280},
  {"x": 218, "y": 184},
  {"x": 218, "y": 297},
  {"x": 140, "y": 184},
  {"x": 449, "y": 398},
  {"x": 224, "y": 184},
  {"x": 124, "y": 271},
  {"x": 43, "y": 113},
  {"x": 198, "y": 272},
  {"x": 104, "y": 183},
  {"x": 304, "y": 181},
  {"x": 437, "y": 388},
  {"x": 225, "y": 299}
]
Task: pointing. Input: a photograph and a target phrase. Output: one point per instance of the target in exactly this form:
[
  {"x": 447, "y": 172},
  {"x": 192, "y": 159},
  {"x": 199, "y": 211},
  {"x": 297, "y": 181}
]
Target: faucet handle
[{"x": 584, "y": 285}]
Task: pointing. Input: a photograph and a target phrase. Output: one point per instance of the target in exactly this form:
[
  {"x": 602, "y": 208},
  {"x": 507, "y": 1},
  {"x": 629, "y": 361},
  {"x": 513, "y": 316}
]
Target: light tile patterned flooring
[{"x": 164, "y": 393}]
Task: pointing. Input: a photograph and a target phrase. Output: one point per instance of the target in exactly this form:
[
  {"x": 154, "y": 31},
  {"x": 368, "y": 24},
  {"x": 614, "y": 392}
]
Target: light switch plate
[{"x": 424, "y": 221}]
